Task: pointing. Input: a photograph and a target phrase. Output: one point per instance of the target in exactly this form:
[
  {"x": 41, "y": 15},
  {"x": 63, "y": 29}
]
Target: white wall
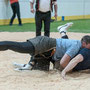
[
  {"x": 65, "y": 8},
  {"x": 4, "y": 9},
  {"x": 6, "y": 12},
  {"x": 73, "y": 7}
]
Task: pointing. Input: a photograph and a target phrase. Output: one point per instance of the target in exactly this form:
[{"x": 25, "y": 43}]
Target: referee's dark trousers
[{"x": 43, "y": 17}]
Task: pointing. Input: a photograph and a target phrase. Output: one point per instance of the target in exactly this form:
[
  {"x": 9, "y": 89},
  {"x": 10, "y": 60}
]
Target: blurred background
[
  {"x": 76, "y": 11},
  {"x": 67, "y": 10}
]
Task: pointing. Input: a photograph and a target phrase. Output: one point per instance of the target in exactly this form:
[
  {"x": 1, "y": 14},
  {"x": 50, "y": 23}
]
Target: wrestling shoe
[
  {"x": 64, "y": 27},
  {"x": 18, "y": 65},
  {"x": 26, "y": 67}
]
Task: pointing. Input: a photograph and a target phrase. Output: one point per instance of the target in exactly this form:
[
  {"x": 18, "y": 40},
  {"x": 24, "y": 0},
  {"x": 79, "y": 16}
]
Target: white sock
[{"x": 63, "y": 34}]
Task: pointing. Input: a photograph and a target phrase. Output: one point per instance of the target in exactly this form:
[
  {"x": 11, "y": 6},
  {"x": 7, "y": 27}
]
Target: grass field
[{"x": 79, "y": 26}]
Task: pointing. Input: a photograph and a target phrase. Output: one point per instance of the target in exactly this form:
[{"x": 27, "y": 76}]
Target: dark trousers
[
  {"x": 42, "y": 17},
  {"x": 21, "y": 47},
  {"x": 16, "y": 10}
]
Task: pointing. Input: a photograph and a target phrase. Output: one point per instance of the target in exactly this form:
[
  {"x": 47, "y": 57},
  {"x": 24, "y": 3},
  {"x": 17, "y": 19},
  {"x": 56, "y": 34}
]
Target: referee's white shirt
[{"x": 44, "y": 5}]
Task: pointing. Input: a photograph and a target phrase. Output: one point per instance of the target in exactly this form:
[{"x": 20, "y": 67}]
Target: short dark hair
[{"x": 86, "y": 39}]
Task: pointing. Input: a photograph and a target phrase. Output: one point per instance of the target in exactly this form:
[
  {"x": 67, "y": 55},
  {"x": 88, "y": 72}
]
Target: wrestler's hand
[{"x": 63, "y": 74}]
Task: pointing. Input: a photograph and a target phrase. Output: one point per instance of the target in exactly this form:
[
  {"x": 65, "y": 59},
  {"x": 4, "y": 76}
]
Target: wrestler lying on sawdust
[{"x": 42, "y": 61}]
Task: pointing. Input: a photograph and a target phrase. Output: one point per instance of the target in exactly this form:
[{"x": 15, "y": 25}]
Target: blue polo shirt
[{"x": 66, "y": 46}]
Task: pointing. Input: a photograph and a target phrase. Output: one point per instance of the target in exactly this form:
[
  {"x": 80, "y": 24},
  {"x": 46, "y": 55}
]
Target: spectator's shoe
[
  {"x": 64, "y": 27},
  {"x": 19, "y": 24},
  {"x": 10, "y": 24}
]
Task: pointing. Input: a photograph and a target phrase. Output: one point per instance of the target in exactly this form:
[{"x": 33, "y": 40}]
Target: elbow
[
  {"x": 78, "y": 58},
  {"x": 62, "y": 64},
  {"x": 78, "y": 61}
]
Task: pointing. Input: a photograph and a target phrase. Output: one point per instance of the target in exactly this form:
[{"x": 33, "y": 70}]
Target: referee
[{"x": 43, "y": 14}]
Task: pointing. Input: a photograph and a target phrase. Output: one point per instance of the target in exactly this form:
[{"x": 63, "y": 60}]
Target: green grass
[
  {"x": 78, "y": 26},
  {"x": 16, "y": 28}
]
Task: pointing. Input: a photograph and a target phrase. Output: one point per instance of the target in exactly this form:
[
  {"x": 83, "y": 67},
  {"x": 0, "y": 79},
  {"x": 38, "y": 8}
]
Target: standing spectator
[
  {"x": 43, "y": 13},
  {"x": 16, "y": 10}
]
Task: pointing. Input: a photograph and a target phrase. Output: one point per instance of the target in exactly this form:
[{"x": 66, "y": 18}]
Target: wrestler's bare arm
[
  {"x": 72, "y": 64},
  {"x": 65, "y": 60}
]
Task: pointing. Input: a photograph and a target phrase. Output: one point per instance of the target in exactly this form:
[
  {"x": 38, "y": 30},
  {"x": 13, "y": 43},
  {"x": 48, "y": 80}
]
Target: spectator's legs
[
  {"x": 18, "y": 13},
  {"x": 14, "y": 13}
]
